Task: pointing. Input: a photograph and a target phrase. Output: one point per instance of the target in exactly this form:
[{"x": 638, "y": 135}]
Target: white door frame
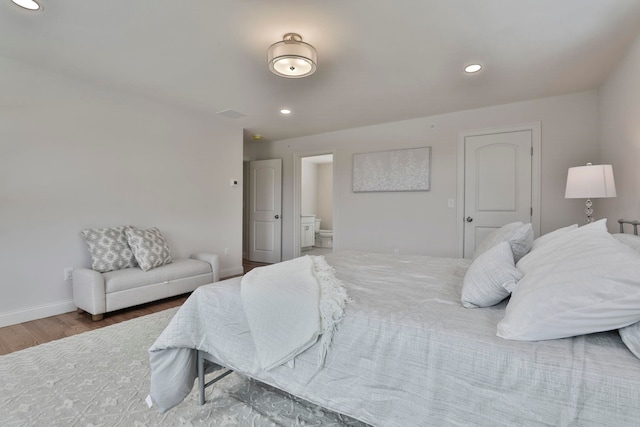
[
  {"x": 535, "y": 128},
  {"x": 297, "y": 195}
]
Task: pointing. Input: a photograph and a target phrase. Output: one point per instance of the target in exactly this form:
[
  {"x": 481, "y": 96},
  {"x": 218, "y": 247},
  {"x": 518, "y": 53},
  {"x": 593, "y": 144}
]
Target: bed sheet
[{"x": 408, "y": 353}]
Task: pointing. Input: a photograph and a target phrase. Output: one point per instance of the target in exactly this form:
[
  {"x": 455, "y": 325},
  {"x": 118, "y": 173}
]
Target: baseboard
[
  {"x": 230, "y": 272},
  {"x": 47, "y": 310},
  {"x": 37, "y": 312}
]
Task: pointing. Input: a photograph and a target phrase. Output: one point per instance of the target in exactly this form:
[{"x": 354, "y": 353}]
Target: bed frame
[
  {"x": 206, "y": 365},
  {"x": 635, "y": 224}
]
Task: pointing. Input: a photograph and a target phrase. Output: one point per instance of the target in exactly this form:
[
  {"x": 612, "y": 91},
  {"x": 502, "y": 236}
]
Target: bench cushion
[{"x": 129, "y": 278}]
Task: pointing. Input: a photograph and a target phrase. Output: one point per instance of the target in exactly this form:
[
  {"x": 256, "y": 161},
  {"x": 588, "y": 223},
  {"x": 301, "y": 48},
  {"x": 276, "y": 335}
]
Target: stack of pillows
[
  {"x": 572, "y": 281},
  {"x": 125, "y": 247}
]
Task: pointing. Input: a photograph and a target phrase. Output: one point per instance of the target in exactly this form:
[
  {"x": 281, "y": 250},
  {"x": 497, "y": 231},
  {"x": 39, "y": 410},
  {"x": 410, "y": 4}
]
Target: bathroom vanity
[{"x": 307, "y": 231}]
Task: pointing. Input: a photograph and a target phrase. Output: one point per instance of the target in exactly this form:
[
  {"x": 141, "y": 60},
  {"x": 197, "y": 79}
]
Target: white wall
[
  {"x": 420, "y": 222},
  {"x": 308, "y": 188},
  {"x": 77, "y": 156},
  {"x": 316, "y": 191},
  {"x": 619, "y": 98},
  {"x": 325, "y": 195}
]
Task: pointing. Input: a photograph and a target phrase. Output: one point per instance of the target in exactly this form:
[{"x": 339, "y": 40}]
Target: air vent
[{"x": 231, "y": 114}]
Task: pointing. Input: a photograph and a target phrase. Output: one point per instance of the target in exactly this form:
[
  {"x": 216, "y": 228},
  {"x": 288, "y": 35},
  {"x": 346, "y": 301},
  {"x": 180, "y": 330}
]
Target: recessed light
[
  {"x": 27, "y": 4},
  {"x": 285, "y": 111},
  {"x": 472, "y": 68}
]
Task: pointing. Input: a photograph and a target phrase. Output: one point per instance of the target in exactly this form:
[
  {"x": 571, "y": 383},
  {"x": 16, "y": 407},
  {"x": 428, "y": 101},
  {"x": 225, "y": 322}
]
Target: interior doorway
[
  {"x": 265, "y": 211},
  {"x": 498, "y": 181},
  {"x": 316, "y": 219}
]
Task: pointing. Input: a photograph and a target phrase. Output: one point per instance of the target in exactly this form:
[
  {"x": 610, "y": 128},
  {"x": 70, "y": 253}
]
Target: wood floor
[{"x": 29, "y": 334}]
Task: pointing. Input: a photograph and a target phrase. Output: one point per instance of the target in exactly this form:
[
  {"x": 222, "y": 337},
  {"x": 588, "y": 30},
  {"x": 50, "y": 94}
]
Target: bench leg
[{"x": 96, "y": 317}]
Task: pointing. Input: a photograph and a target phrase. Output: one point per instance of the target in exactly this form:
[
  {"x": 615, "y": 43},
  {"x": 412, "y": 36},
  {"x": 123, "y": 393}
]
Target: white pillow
[
  {"x": 519, "y": 236},
  {"x": 546, "y": 252},
  {"x": 490, "y": 278},
  {"x": 631, "y": 338},
  {"x": 630, "y": 240},
  {"x": 546, "y": 238},
  {"x": 586, "y": 282}
]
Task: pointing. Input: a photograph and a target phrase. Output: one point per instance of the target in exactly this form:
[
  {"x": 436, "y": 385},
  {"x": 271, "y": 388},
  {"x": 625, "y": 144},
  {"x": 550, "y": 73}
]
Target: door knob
[
  {"x": 469, "y": 219},
  {"x": 277, "y": 216}
]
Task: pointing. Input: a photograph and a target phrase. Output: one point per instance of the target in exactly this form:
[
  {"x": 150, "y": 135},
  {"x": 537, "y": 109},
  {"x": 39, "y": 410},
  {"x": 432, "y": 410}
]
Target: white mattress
[{"x": 408, "y": 353}]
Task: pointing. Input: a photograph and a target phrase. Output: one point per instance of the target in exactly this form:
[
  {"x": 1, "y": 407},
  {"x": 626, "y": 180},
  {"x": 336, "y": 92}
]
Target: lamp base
[{"x": 589, "y": 211}]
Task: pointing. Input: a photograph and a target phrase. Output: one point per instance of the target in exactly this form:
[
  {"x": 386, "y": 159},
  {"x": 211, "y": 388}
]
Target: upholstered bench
[
  {"x": 98, "y": 293},
  {"x": 131, "y": 266}
]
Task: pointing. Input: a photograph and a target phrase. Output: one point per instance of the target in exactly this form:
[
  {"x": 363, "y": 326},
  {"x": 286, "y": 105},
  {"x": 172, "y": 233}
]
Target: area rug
[{"x": 101, "y": 378}]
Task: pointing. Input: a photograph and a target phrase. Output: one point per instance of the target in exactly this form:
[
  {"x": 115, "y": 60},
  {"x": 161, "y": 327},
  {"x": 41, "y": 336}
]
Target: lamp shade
[
  {"x": 28, "y": 4},
  {"x": 590, "y": 182},
  {"x": 292, "y": 58}
]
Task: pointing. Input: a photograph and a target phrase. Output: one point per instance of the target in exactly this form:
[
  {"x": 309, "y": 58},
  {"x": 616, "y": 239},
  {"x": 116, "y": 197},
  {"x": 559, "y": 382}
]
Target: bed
[{"x": 408, "y": 352}]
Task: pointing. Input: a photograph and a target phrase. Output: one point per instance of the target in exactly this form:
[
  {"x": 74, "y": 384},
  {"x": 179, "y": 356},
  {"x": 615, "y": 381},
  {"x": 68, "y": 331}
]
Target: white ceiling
[{"x": 378, "y": 61}]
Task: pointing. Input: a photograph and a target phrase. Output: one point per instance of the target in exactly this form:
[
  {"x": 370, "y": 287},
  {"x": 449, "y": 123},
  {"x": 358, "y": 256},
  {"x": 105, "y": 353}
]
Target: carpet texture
[{"x": 101, "y": 378}]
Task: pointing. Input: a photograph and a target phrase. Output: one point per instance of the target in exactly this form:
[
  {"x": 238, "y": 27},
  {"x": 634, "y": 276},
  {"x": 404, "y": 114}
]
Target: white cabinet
[{"x": 307, "y": 231}]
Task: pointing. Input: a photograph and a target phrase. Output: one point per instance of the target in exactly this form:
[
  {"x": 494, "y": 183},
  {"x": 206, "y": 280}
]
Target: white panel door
[
  {"x": 265, "y": 210},
  {"x": 497, "y": 183}
]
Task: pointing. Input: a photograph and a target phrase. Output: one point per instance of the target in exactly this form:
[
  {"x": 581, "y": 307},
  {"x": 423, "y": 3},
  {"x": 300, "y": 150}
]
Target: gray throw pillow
[
  {"x": 109, "y": 248},
  {"x": 149, "y": 247}
]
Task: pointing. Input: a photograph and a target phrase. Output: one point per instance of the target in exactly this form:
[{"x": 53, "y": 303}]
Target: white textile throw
[{"x": 289, "y": 305}]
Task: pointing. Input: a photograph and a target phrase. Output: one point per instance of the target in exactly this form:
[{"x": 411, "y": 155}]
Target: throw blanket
[{"x": 289, "y": 305}]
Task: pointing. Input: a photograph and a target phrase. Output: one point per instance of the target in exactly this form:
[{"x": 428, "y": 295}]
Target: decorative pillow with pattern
[
  {"x": 109, "y": 249},
  {"x": 149, "y": 247}
]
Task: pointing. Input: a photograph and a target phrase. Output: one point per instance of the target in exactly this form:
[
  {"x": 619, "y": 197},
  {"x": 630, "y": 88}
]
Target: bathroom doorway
[{"x": 316, "y": 204}]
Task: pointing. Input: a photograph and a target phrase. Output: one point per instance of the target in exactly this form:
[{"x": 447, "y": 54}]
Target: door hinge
[
  {"x": 531, "y": 212},
  {"x": 532, "y": 151}
]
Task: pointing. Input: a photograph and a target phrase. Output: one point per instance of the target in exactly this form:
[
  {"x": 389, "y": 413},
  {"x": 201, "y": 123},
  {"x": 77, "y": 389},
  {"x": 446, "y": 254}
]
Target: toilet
[{"x": 324, "y": 238}]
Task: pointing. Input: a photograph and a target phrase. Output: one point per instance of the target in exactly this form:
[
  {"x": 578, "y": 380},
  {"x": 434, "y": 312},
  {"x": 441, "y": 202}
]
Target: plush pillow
[
  {"x": 149, "y": 247},
  {"x": 549, "y": 237},
  {"x": 630, "y": 240},
  {"x": 490, "y": 278},
  {"x": 108, "y": 248},
  {"x": 586, "y": 282},
  {"x": 544, "y": 253},
  {"x": 631, "y": 338},
  {"x": 519, "y": 236}
]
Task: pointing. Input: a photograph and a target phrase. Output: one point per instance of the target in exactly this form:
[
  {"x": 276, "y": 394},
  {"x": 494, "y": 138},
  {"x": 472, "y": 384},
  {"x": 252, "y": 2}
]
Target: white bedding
[
  {"x": 290, "y": 304},
  {"x": 281, "y": 302},
  {"x": 408, "y": 353}
]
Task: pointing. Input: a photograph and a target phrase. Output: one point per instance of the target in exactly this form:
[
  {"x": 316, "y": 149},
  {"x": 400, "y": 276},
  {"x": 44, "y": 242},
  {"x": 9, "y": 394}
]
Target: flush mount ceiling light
[
  {"x": 292, "y": 58},
  {"x": 285, "y": 111},
  {"x": 27, "y": 4},
  {"x": 472, "y": 68}
]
